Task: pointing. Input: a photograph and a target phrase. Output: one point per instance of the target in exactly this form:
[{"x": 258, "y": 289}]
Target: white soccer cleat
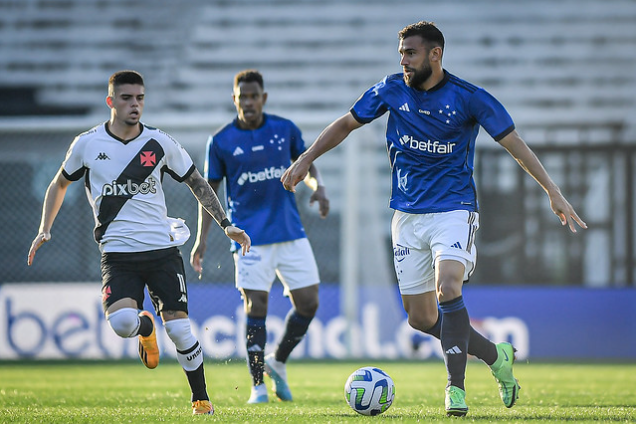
[
  {"x": 277, "y": 371},
  {"x": 259, "y": 394}
]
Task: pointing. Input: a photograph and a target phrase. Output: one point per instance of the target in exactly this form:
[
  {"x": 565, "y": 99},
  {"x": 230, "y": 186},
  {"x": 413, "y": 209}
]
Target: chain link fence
[
  {"x": 519, "y": 242},
  {"x": 29, "y": 160}
]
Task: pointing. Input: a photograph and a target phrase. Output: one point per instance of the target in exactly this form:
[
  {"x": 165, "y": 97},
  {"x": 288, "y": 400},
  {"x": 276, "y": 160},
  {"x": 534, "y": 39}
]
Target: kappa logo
[
  {"x": 148, "y": 158},
  {"x": 102, "y": 156},
  {"x": 405, "y": 107},
  {"x": 238, "y": 151}
]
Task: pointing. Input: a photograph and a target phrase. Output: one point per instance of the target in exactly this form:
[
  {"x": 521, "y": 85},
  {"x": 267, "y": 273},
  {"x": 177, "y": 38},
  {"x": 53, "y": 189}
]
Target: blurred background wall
[{"x": 565, "y": 70}]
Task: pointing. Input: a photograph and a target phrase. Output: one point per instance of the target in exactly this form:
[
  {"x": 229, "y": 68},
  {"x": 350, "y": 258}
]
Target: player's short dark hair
[
  {"x": 427, "y": 30},
  {"x": 124, "y": 77},
  {"x": 249, "y": 75}
]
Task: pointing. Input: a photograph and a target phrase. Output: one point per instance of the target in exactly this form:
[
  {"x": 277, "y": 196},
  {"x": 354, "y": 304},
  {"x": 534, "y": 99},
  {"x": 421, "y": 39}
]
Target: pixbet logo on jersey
[
  {"x": 129, "y": 188},
  {"x": 264, "y": 175},
  {"x": 427, "y": 146}
]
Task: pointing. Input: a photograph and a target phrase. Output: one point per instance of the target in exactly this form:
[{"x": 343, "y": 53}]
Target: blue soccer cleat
[{"x": 277, "y": 371}]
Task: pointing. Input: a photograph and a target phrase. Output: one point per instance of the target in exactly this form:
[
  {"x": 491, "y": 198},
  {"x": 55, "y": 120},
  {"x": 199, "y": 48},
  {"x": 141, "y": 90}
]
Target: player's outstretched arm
[
  {"x": 329, "y": 138},
  {"x": 209, "y": 200},
  {"x": 53, "y": 200},
  {"x": 531, "y": 164}
]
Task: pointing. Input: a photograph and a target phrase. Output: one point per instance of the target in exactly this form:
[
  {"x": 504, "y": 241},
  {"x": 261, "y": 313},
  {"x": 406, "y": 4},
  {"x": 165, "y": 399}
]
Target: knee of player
[
  {"x": 124, "y": 322},
  {"x": 178, "y": 329},
  {"x": 308, "y": 308},
  {"x": 448, "y": 290},
  {"x": 422, "y": 322}
]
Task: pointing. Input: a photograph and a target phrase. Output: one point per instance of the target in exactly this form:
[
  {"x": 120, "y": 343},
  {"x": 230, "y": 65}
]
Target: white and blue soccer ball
[{"x": 369, "y": 391}]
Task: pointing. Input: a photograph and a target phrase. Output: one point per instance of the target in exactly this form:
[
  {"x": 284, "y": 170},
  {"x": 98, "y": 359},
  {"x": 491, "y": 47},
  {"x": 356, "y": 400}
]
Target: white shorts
[
  {"x": 292, "y": 261},
  {"x": 419, "y": 240}
]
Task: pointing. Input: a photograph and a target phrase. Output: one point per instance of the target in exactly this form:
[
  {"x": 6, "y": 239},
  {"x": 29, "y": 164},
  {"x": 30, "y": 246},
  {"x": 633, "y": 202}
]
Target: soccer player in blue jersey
[
  {"x": 122, "y": 162},
  {"x": 251, "y": 153},
  {"x": 434, "y": 119}
]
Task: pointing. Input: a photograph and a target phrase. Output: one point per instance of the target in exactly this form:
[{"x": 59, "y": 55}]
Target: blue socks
[
  {"x": 478, "y": 345},
  {"x": 455, "y": 334},
  {"x": 295, "y": 329},
  {"x": 256, "y": 337}
]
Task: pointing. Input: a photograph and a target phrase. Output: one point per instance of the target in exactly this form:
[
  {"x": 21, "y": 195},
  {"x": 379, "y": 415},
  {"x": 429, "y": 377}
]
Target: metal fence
[{"x": 520, "y": 241}]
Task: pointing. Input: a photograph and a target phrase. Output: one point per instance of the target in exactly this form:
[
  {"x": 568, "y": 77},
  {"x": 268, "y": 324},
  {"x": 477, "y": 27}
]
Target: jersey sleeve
[
  {"x": 491, "y": 114},
  {"x": 178, "y": 162},
  {"x": 370, "y": 105},
  {"x": 73, "y": 167},
  {"x": 214, "y": 168},
  {"x": 297, "y": 142}
]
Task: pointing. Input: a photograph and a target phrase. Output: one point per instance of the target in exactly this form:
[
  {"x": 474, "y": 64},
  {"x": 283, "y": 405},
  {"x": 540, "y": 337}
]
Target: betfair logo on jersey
[
  {"x": 427, "y": 146},
  {"x": 129, "y": 188},
  {"x": 270, "y": 173}
]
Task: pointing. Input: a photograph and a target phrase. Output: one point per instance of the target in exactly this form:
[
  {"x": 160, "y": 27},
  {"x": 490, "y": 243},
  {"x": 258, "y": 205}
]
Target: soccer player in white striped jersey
[
  {"x": 122, "y": 162},
  {"x": 434, "y": 119}
]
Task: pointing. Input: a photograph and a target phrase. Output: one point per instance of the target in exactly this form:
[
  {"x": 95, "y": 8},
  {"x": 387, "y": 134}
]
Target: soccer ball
[{"x": 369, "y": 391}]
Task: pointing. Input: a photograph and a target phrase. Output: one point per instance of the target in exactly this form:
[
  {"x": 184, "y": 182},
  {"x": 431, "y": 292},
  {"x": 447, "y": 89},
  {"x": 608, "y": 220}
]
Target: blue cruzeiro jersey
[
  {"x": 430, "y": 139},
  {"x": 252, "y": 162}
]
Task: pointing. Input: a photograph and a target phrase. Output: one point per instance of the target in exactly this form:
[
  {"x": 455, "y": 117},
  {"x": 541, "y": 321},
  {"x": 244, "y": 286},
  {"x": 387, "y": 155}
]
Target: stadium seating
[{"x": 547, "y": 62}]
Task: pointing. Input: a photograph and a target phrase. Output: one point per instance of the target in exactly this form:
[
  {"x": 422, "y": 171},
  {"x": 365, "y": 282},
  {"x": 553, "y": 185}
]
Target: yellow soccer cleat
[
  {"x": 202, "y": 407},
  {"x": 148, "y": 349}
]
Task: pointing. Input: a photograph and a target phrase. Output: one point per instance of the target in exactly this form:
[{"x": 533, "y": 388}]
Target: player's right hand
[
  {"x": 39, "y": 240},
  {"x": 196, "y": 257},
  {"x": 296, "y": 173},
  {"x": 239, "y": 236}
]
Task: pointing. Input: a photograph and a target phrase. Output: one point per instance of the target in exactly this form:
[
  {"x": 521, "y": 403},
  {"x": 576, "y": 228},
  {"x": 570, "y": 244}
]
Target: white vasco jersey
[{"x": 123, "y": 185}]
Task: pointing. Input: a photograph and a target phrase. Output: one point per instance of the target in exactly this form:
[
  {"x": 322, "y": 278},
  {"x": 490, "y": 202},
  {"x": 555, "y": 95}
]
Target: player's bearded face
[
  {"x": 415, "y": 61},
  {"x": 419, "y": 75}
]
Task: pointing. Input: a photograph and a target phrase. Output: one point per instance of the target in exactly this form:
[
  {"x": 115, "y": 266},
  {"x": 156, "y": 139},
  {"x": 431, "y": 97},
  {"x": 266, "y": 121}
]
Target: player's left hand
[
  {"x": 239, "y": 236},
  {"x": 39, "y": 240},
  {"x": 320, "y": 196},
  {"x": 566, "y": 213}
]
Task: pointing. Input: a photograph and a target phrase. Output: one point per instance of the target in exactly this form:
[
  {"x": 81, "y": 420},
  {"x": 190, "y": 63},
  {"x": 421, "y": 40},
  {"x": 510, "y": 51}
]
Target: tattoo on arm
[{"x": 206, "y": 196}]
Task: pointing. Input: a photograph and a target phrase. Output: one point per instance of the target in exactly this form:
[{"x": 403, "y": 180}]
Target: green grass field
[{"x": 116, "y": 392}]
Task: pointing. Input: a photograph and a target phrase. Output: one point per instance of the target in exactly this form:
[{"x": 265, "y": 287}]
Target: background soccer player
[
  {"x": 251, "y": 153},
  {"x": 122, "y": 162},
  {"x": 434, "y": 119}
]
